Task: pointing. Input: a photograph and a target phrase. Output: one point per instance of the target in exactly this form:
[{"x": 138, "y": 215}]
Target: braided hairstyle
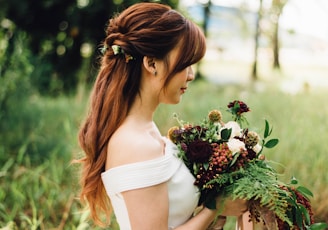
[{"x": 144, "y": 29}]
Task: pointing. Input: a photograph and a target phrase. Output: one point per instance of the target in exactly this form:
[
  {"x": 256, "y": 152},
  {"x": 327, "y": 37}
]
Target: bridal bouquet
[{"x": 226, "y": 158}]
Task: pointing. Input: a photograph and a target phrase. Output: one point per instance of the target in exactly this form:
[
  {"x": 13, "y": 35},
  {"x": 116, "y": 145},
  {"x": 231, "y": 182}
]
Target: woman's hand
[{"x": 229, "y": 207}]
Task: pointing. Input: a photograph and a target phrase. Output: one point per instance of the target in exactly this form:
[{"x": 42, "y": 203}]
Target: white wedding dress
[{"x": 183, "y": 195}]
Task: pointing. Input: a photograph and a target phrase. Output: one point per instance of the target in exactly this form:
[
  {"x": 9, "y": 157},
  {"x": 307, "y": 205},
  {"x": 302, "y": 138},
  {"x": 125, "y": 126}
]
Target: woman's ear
[{"x": 149, "y": 64}]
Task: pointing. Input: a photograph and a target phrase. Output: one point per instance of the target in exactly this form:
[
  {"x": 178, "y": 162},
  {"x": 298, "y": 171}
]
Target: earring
[{"x": 155, "y": 72}]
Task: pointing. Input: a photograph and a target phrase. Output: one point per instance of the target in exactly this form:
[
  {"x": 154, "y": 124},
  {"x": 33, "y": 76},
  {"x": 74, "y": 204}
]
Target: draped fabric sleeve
[{"x": 140, "y": 174}]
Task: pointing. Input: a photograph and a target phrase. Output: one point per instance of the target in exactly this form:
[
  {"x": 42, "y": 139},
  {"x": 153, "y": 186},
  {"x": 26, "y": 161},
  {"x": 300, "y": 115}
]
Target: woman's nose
[{"x": 190, "y": 76}]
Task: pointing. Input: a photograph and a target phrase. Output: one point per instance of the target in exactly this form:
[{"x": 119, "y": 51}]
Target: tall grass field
[{"x": 39, "y": 185}]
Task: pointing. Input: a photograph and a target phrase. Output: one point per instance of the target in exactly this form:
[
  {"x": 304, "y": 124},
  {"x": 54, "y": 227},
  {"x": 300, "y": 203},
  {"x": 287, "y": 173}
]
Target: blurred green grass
[{"x": 39, "y": 185}]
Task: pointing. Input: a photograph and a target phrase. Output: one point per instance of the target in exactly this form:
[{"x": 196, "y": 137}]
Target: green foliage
[
  {"x": 15, "y": 67},
  {"x": 36, "y": 142},
  {"x": 15, "y": 90},
  {"x": 258, "y": 181},
  {"x": 38, "y": 184},
  {"x": 26, "y": 121},
  {"x": 29, "y": 188}
]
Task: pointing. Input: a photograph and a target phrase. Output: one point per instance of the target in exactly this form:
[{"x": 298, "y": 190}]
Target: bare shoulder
[{"x": 130, "y": 145}]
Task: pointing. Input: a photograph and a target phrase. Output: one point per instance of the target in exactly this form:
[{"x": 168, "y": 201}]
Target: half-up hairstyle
[{"x": 144, "y": 29}]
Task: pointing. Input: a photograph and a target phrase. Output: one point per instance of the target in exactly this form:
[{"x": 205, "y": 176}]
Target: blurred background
[{"x": 272, "y": 54}]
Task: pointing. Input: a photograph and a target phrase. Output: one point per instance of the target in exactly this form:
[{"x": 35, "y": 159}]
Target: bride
[{"x": 128, "y": 166}]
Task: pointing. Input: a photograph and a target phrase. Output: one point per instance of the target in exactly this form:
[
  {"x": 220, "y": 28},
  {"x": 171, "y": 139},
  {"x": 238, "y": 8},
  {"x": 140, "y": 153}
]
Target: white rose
[
  {"x": 235, "y": 145},
  {"x": 235, "y": 128},
  {"x": 257, "y": 148}
]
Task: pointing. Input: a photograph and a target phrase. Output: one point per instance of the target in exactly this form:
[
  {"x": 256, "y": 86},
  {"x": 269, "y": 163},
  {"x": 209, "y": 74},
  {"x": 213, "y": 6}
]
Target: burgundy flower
[
  {"x": 199, "y": 151},
  {"x": 238, "y": 107}
]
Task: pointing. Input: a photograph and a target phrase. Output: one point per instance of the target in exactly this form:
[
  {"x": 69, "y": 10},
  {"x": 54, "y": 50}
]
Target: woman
[{"x": 147, "y": 58}]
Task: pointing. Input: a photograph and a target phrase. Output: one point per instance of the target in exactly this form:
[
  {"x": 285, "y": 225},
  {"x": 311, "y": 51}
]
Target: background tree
[
  {"x": 272, "y": 15},
  {"x": 256, "y": 39},
  {"x": 276, "y": 10}
]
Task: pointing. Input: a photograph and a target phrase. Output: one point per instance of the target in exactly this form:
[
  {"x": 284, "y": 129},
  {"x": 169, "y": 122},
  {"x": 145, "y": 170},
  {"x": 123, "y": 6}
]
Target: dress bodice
[{"x": 183, "y": 195}]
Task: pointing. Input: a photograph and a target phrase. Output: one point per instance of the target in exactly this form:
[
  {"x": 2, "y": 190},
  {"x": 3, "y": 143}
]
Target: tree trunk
[
  {"x": 275, "y": 44},
  {"x": 276, "y": 8},
  {"x": 257, "y": 35}
]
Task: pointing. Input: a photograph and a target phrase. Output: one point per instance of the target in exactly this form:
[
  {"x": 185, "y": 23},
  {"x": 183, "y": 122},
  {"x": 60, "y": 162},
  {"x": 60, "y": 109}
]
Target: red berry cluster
[
  {"x": 221, "y": 158},
  {"x": 218, "y": 163}
]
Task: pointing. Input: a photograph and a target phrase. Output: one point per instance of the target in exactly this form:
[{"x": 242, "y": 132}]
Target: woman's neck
[{"x": 143, "y": 109}]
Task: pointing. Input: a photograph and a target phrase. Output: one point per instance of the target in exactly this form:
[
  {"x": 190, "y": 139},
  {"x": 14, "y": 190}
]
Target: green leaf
[
  {"x": 7, "y": 165},
  {"x": 235, "y": 157},
  {"x": 299, "y": 217},
  {"x": 210, "y": 204},
  {"x": 271, "y": 143},
  {"x": 226, "y": 133},
  {"x": 206, "y": 165},
  {"x": 318, "y": 226},
  {"x": 195, "y": 168},
  {"x": 306, "y": 214},
  {"x": 304, "y": 191},
  {"x": 210, "y": 201},
  {"x": 235, "y": 108},
  {"x": 267, "y": 129}
]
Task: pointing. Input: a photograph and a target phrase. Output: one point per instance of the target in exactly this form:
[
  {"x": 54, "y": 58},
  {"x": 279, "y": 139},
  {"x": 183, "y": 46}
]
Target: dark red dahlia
[{"x": 199, "y": 151}]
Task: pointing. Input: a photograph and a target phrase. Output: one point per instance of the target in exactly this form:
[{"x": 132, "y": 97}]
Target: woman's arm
[
  {"x": 148, "y": 210},
  {"x": 148, "y": 207}
]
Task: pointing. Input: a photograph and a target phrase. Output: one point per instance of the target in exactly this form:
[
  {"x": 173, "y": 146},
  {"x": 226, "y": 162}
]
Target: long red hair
[{"x": 144, "y": 29}]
